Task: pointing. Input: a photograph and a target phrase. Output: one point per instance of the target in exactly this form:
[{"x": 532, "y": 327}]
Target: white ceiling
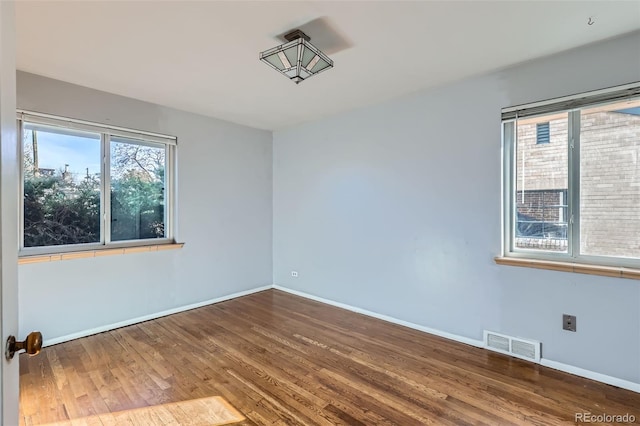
[{"x": 203, "y": 56}]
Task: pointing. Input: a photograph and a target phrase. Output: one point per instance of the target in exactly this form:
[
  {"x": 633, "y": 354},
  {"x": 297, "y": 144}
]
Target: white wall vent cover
[{"x": 514, "y": 346}]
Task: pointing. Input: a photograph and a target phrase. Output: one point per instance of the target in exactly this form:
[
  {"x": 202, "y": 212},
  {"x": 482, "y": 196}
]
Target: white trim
[
  {"x": 450, "y": 336},
  {"x": 105, "y": 190},
  {"x": 571, "y": 97},
  {"x": 598, "y": 377},
  {"x": 103, "y": 328},
  {"x": 56, "y": 120},
  {"x": 20, "y": 132}
]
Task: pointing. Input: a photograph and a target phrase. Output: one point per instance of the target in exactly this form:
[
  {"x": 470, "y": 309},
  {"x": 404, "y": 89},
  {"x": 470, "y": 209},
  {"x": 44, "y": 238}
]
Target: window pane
[
  {"x": 137, "y": 190},
  {"x": 541, "y": 184},
  {"x": 610, "y": 180},
  {"x": 61, "y": 186}
]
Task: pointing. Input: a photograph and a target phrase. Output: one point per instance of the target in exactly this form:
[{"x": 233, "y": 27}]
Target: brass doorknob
[{"x": 32, "y": 345}]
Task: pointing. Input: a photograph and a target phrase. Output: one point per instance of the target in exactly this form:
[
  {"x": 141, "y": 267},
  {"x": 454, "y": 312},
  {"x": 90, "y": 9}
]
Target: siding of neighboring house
[
  {"x": 610, "y": 184},
  {"x": 544, "y": 165},
  {"x": 609, "y": 175},
  {"x": 541, "y": 185}
]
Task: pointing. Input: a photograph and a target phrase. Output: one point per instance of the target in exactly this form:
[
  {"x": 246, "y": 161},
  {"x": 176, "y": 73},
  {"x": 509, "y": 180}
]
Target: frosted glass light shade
[{"x": 297, "y": 59}]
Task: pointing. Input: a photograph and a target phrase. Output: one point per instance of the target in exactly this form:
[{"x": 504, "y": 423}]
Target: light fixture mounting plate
[{"x": 296, "y": 34}]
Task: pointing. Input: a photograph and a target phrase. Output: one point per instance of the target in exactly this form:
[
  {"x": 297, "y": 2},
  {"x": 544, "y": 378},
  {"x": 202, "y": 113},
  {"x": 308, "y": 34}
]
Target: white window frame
[
  {"x": 106, "y": 132},
  {"x": 572, "y": 105}
]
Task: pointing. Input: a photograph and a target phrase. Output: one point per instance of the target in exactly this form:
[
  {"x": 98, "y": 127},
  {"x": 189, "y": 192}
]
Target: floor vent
[{"x": 514, "y": 346}]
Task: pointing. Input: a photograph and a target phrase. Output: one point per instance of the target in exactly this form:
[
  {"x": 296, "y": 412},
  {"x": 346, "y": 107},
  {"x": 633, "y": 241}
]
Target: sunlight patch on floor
[{"x": 212, "y": 411}]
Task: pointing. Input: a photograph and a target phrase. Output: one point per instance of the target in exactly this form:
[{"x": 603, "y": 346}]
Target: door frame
[{"x": 9, "y": 178}]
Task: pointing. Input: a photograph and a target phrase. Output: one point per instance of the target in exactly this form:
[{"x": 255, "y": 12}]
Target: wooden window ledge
[
  {"x": 96, "y": 253},
  {"x": 580, "y": 268}
]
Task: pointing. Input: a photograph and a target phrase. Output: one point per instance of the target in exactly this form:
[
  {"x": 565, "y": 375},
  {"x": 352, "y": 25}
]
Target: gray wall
[
  {"x": 395, "y": 209},
  {"x": 224, "y": 217}
]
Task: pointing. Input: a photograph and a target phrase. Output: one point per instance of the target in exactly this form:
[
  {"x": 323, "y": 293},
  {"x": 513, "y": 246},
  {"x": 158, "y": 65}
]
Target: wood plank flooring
[{"x": 284, "y": 360}]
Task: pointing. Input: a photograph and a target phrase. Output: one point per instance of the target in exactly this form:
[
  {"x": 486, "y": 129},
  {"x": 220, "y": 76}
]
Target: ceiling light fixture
[{"x": 297, "y": 59}]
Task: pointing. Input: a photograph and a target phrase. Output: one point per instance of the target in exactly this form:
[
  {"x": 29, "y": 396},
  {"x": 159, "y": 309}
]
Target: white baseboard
[
  {"x": 610, "y": 380},
  {"x": 598, "y": 377},
  {"x": 103, "y": 328},
  {"x": 450, "y": 336}
]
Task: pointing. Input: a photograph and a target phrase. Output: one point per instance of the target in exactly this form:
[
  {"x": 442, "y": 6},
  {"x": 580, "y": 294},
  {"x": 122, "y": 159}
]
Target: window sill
[
  {"x": 580, "y": 268},
  {"x": 25, "y": 260}
]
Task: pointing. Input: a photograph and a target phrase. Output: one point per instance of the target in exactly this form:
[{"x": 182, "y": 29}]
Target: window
[
  {"x": 578, "y": 198},
  {"x": 88, "y": 186}
]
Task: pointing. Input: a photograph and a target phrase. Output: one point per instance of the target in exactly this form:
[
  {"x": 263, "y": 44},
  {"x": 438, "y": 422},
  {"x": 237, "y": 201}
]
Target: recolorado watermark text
[{"x": 604, "y": 418}]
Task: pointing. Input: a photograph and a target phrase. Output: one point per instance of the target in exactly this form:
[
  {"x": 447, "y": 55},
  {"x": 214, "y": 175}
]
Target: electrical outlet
[
  {"x": 569, "y": 322},
  {"x": 294, "y": 274}
]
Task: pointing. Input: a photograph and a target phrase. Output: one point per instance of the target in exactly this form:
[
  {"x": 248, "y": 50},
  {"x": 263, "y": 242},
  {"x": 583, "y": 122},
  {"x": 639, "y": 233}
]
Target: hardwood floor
[{"x": 284, "y": 360}]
